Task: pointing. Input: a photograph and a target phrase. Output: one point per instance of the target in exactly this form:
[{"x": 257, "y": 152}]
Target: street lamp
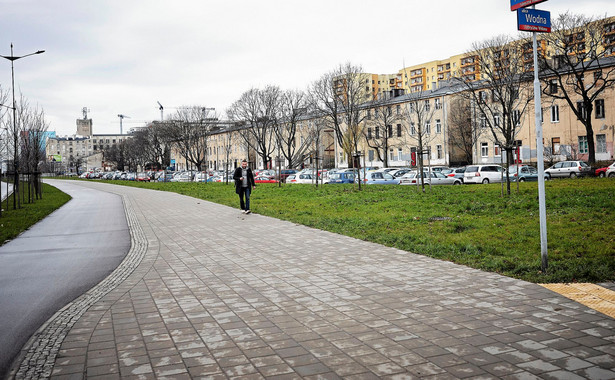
[{"x": 13, "y": 58}]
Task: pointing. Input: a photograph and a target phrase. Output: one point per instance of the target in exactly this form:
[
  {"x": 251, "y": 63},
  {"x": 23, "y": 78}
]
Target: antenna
[{"x": 122, "y": 118}]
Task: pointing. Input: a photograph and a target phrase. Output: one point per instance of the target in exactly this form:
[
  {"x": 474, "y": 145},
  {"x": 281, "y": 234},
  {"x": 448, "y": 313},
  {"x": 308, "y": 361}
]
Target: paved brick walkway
[{"x": 207, "y": 292}]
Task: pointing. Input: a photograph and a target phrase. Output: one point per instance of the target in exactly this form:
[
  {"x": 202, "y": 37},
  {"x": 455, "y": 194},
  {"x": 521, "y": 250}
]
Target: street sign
[
  {"x": 533, "y": 20},
  {"x": 516, "y": 4}
]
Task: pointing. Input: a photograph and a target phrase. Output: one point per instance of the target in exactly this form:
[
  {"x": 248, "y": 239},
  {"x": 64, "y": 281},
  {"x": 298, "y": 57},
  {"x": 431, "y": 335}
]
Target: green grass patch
[
  {"x": 470, "y": 225},
  {"x": 14, "y": 222}
]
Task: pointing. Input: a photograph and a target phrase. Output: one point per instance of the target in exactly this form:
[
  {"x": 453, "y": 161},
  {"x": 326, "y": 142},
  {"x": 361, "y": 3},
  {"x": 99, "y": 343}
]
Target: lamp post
[{"x": 13, "y": 58}]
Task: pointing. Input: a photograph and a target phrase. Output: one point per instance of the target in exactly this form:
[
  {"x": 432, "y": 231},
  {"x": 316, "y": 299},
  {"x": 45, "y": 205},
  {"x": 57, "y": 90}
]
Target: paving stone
[{"x": 193, "y": 300}]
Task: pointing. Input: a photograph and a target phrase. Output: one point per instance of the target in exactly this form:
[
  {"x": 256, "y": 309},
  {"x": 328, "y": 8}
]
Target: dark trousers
[{"x": 244, "y": 192}]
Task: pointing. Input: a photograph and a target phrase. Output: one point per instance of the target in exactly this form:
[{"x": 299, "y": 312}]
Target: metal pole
[
  {"x": 15, "y": 153},
  {"x": 540, "y": 158}
]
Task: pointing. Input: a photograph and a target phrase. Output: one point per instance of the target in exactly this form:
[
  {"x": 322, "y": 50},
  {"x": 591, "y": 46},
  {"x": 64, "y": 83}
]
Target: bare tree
[
  {"x": 292, "y": 139},
  {"x": 188, "y": 131},
  {"x": 32, "y": 128},
  {"x": 381, "y": 128},
  {"x": 259, "y": 110},
  {"x": 418, "y": 115},
  {"x": 581, "y": 66},
  {"x": 339, "y": 97},
  {"x": 463, "y": 136},
  {"x": 501, "y": 97}
]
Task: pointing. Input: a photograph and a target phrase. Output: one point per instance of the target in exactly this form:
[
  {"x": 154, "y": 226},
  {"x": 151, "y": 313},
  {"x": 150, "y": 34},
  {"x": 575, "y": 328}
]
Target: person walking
[{"x": 244, "y": 183}]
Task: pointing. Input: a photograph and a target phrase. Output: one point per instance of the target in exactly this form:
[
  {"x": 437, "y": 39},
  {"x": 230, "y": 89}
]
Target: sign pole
[{"x": 540, "y": 160}]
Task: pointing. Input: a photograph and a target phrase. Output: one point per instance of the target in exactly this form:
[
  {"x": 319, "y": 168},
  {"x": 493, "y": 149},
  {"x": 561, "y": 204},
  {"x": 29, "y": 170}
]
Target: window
[
  {"x": 582, "y": 110},
  {"x": 496, "y": 120},
  {"x": 516, "y": 118},
  {"x": 496, "y": 151},
  {"x": 370, "y": 155},
  {"x": 391, "y": 155},
  {"x": 484, "y": 150},
  {"x": 555, "y": 145},
  {"x": 439, "y": 151},
  {"x": 555, "y": 113},
  {"x": 600, "y": 143},
  {"x": 398, "y": 109},
  {"x": 483, "y": 121},
  {"x": 412, "y": 129},
  {"x": 438, "y": 126},
  {"x": 583, "y": 144},
  {"x": 553, "y": 86},
  {"x": 377, "y": 132},
  {"x": 599, "y": 108},
  {"x": 369, "y": 114},
  {"x": 428, "y": 128},
  {"x": 399, "y": 154},
  {"x": 427, "y": 105},
  {"x": 390, "y": 131},
  {"x": 369, "y": 133},
  {"x": 438, "y": 103},
  {"x": 398, "y": 130}
]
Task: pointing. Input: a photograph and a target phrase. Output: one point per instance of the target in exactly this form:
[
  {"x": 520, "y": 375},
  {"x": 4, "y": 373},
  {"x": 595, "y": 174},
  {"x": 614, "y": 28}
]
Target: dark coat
[{"x": 237, "y": 176}]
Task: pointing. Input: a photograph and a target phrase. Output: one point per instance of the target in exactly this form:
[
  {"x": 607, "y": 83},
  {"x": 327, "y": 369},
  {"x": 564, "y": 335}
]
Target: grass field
[
  {"x": 14, "y": 222},
  {"x": 469, "y": 225}
]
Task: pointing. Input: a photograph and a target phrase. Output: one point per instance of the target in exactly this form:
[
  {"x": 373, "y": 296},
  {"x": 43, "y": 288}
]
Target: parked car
[
  {"x": 437, "y": 169},
  {"x": 399, "y": 172},
  {"x": 182, "y": 177},
  {"x": 455, "y": 172},
  {"x": 143, "y": 177},
  {"x": 201, "y": 177},
  {"x": 483, "y": 174},
  {"x": 610, "y": 172},
  {"x": 264, "y": 179},
  {"x": 341, "y": 177},
  {"x": 379, "y": 178},
  {"x": 164, "y": 176},
  {"x": 433, "y": 178},
  {"x": 301, "y": 178},
  {"x": 524, "y": 173},
  {"x": 569, "y": 169},
  {"x": 285, "y": 173},
  {"x": 601, "y": 172}
]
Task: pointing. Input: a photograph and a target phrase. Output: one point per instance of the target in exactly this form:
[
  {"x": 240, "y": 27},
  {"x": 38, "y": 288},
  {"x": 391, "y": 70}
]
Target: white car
[
  {"x": 569, "y": 169},
  {"x": 430, "y": 177},
  {"x": 182, "y": 177},
  {"x": 301, "y": 178},
  {"x": 483, "y": 174},
  {"x": 610, "y": 171}
]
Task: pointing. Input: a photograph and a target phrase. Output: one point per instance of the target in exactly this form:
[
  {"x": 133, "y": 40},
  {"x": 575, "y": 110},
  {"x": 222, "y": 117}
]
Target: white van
[{"x": 483, "y": 174}]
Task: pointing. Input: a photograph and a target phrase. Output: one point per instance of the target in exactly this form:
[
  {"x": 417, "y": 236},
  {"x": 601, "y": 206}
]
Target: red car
[
  {"x": 264, "y": 179},
  {"x": 143, "y": 177}
]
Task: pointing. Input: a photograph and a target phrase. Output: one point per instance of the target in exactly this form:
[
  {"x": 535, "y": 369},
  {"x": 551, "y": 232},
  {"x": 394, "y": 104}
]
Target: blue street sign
[
  {"x": 516, "y": 4},
  {"x": 533, "y": 20}
]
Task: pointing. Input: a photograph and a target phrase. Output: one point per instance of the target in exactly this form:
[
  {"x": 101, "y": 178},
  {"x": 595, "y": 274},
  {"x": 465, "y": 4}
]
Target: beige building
[{"x": 82, "y": 151}]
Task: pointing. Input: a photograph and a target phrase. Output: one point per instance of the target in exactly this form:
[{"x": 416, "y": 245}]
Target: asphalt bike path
[
  {"x": 208, "y": 292},
  {"x": 56, "y": 261}
]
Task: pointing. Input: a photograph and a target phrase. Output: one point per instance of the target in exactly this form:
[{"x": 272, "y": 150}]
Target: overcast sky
[{"x": 122, "y": 56}]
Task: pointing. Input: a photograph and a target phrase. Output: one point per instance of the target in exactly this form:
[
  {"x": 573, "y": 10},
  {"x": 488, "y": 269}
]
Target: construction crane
[{"x": 121, "y": 119}]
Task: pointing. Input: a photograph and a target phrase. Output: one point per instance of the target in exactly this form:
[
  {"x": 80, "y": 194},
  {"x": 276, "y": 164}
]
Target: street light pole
[{"x": 13, "y": 58}]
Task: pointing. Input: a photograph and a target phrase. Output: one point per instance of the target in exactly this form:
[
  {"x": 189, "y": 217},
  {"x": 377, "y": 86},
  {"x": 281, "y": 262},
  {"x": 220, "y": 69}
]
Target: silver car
[{"x": 570, "y": 169}]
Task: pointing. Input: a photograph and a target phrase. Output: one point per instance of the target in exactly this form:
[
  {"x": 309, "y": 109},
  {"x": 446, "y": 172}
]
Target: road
[{"x": 56, "y": 261}]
